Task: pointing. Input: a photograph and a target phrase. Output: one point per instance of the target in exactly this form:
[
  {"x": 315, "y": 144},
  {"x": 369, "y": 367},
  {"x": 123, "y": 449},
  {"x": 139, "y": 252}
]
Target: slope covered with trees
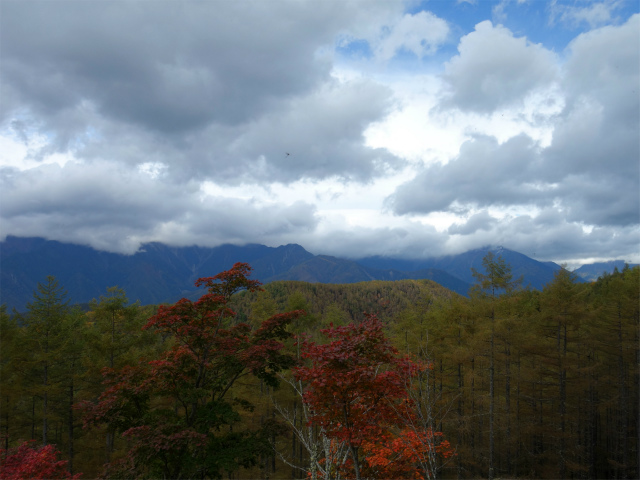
[{"x": 508, "y": 382}]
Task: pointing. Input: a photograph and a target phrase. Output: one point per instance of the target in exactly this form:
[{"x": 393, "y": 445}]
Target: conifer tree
[
  {"x": 561, "y": 314},
  {"x": 117, "y": 326},
  {"x": 617, "y": 334},
  {"x": 496, "y": 280},
  {"x": 47, "y": 335},
  {"x": 10, "y": 378}
]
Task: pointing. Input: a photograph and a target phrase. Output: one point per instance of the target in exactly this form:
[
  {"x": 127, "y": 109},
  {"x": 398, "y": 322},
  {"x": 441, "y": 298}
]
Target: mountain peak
[{"x": 159, "y": 273}]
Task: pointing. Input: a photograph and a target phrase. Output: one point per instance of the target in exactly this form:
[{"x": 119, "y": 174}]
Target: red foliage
[
  {"x": 120, "y": 401},
  {"x": 28, "y": 461},
  {"x": 209, "y": 352},
  {"x": 396, "y": 456},
  {"x": 227, "y": 283},
  {"x": 353, "y": 382},
  {"x": 357, "y": 392}
]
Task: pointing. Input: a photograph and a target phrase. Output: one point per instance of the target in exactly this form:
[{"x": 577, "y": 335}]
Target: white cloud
[
  {"x": 594, "y": 14},
  {"x": 420, "y": 34},
  {"x": 495, "y": 69}
]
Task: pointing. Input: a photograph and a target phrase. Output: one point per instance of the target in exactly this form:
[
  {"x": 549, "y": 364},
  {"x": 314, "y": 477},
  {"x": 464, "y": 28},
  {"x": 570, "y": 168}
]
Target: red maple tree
[
  {"x": 172, "y": 409},
  {"x": 27, "y": 461},
  {"x": 357, "y": 393}
]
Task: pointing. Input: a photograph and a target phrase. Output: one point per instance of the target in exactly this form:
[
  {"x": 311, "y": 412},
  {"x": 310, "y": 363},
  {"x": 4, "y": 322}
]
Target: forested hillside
[
  {"x": 340, "y": 304},
  {"x": 424, "y": 383}
]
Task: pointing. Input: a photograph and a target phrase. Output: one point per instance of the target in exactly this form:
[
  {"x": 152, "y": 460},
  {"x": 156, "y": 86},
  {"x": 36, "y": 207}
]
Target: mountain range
[{"x": 161, "y": 273}]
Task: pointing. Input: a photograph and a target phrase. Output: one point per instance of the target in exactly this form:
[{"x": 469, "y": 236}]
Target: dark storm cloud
[
  {"x": 589, "y": 172},
  {"x": 169, "y": 66},
  {"x": 196, "y": 85}
]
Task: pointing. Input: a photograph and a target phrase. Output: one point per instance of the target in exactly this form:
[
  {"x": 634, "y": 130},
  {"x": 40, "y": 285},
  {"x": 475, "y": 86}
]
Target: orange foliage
[{"x": 399, "y": 456}]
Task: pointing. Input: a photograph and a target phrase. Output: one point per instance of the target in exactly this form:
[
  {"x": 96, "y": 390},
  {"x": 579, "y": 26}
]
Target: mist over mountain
[{"x": 161, "y": 273}]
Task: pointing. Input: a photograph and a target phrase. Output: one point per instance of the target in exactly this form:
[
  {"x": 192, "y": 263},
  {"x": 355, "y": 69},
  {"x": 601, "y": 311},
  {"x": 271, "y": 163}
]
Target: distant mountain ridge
[
  {"x": 534, "y": 274},
  {"x": 156, "y": 273},
  {"x": 593, "y": 271},
  {"x": 160, "y": 273},
  {"x": 326, "y": 269}
]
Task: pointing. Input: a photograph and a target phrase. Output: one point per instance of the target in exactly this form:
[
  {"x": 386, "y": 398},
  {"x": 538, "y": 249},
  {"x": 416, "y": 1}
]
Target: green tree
[
  {"x": 114, "y": 339},
  {"x": 335, "y": 314},
  {"x": 616, "y": 341},
  {"x": 561, "y": 314},
  {"x": 45, "y": 347},
  {"x": 10, "y": 378},
  {"x": 47, "y": 336},
  {"x": 116, "y": 327},
  {"x": 496, "y": 280},
  {"x": 72, "y": 371},
  {"x": 263, "y": 307}
]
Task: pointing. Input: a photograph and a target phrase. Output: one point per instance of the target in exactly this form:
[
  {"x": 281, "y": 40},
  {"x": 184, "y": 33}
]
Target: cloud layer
[
  {"x": 589, "y": 171},
  {"x": 387, "y": 130}
]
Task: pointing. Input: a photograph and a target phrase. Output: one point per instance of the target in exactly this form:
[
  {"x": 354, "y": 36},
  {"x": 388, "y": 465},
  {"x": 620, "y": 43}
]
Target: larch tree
[
  {"x": 46, "y": 335},
  {"x": 497, "y": 280},
  {"x": 10, "y": 375},
  {"x": 561, "y": 314},
  {"x": 114, "y": 339}
]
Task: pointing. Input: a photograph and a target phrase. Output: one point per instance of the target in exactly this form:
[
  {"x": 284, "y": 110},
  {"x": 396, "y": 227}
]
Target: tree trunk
[
  {"x": 460, "y": 413},
  {"x": 293, "y": 439},
  {"x": 507, "y": 401},
  {"x": 33, "y": 418},
  {"x": 356, "y": 461},
  {"x": 491, "y": 397},
  {"x": 623, "y": 414},
  {"x": 6, "y": 427},
  {"x": 45, "y": 399},
  {"x": 70, "y": 428},
  {"x": 562, "y": 377}
]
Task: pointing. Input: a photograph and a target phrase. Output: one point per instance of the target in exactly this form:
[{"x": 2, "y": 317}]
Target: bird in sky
[{"x": 287, "y": 153}]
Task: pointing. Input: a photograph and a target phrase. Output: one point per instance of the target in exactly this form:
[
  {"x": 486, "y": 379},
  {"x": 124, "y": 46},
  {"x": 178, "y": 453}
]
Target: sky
[{"x": 353, "y": 128}]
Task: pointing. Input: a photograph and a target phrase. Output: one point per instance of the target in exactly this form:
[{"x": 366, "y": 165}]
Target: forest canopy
[{"x": 374, "y": 380}]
